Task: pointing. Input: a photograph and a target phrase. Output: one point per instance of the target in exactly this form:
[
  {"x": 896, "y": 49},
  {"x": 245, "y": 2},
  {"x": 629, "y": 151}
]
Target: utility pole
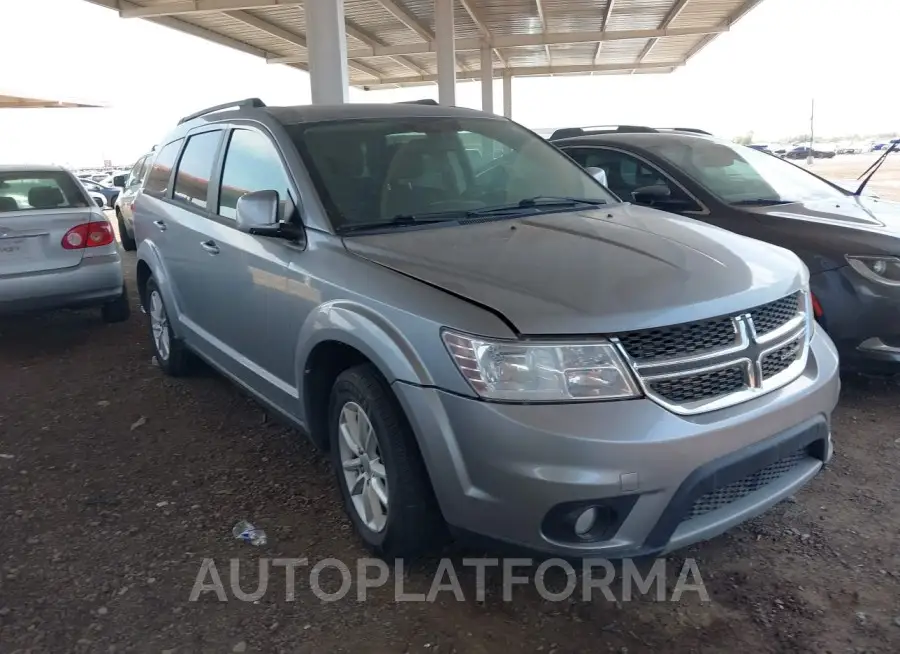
[{"x": 812, "y": 117}]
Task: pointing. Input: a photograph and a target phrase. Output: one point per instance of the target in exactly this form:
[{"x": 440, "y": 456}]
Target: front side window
[
  {"x": 383, "y": 170},
  {"x": 37, "y": 190},
  {"x": 741, "y": 175},
  {"x": 195, "y": 168},
  {"x": 252, "y": 164},
  {"x": 158, "y": 178}
]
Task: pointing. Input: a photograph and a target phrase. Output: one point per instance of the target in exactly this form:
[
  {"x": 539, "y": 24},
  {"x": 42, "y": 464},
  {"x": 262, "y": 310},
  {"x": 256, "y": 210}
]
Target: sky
[{"x": 760, "y": 76}]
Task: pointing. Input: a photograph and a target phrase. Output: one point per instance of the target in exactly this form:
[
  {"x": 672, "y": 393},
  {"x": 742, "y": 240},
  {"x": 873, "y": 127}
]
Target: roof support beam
[
  {"x": 364, "y": 37},
  {"x": 181, "y": 7},
  {"x": 540, "y": 10},
  {"x": 291, "y": 37},
  {"x": 537, "y": 70},
  {"x": 741, "y": 11},
  {"x": 515, "y": 41},
  {"x": 482, "y": 26},
  {"x": 610, "y": 5},
  {"x": 676, "y": 9},
  {"x": 403, "y": 14}
]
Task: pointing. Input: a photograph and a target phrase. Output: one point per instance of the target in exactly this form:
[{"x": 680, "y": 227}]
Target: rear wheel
[
  {"x": 171, "y": 354},
  {"x": 128, "y": 242},
  {"x": 118, "y": 310},
  {"x": 385, "y": 487}
]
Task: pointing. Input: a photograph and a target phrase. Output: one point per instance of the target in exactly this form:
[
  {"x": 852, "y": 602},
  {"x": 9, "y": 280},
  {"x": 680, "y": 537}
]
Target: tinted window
[
  {"x": 252, "y": 164},
  {"x": 624, "y": 173},
  {"x": 195, "y": 168},
  {"x": 137, "y": 172},
  {"x": 375, "y": 170},
  {"x": 24, "y": 191},
  {"x": 158, "y": 178}
]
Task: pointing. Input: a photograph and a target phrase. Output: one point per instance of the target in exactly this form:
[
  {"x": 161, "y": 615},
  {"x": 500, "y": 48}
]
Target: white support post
[
  {"x": 326, "y": 42},
  {"x": 445, "y": 44},
  {"x": 487, "y": 79},
  {"x": 507, "y": 94}
]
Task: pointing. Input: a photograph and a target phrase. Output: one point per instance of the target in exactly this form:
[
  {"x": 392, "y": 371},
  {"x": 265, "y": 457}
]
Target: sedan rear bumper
[{"x": 95, "y": 281}]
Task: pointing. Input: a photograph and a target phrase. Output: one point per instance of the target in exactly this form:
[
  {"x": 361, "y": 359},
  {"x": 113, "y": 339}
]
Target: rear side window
[
  {"x": 31, "y": 190},
  {"x": 158, "y": 178},
  {"x": 195, "y": 168},
  {"x": 252, "y": 164}
]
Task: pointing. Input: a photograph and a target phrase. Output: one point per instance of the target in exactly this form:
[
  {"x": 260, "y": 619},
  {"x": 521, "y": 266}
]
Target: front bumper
[
  {"x": 503, "y": 471},
  {"x": 863, "y": 319},
  {"x": 95, "y": 281}
]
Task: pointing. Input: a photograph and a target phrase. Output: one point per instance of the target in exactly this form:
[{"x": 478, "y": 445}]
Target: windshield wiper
[
  {"x": 762, "y": 202},
  {"x": 871, "y": 170},
  {"x": 400, "y": 220},
  {"x": 539, "y": 201}
]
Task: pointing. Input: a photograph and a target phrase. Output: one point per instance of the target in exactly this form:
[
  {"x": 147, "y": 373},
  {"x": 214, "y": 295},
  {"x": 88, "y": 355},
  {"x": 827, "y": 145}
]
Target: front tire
[
  {"x": 171, "y": 354},
  {"x": 128, "y": 242},
  {"x": 386, "y": 490}
]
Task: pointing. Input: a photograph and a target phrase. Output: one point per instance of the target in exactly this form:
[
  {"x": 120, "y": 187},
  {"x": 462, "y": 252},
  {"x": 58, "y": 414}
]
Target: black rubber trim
[
  {"x": 559, "y": 523},
  {"x": 811, "y": 435}
]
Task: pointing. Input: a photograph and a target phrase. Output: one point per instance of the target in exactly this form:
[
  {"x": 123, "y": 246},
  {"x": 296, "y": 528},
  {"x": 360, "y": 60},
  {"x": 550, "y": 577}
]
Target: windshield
[
  {"x": 739, "y": 174},
  {"x": 376, "y": 171},
  {"x": 23, "y": 191}
]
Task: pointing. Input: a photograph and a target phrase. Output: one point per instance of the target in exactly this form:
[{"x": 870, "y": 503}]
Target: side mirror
[
  {"x": 257, "y": 214},
  {"x": 99, "y": 202},
  {"x": 119, "y": 180},
  {"x": 597, "y": 173},
  {"x": 651, "y": 194}
]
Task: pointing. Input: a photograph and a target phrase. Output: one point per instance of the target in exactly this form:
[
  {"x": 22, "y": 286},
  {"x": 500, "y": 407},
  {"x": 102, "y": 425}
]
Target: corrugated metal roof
[{"x": 392, "y": 41}]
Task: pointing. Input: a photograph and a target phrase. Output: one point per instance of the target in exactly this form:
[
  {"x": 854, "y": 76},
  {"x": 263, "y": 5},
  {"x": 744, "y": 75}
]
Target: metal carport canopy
[{"x": 384, "y": 43}]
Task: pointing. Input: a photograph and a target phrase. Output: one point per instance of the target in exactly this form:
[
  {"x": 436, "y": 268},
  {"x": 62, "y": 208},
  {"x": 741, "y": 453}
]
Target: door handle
[
  {"x": 160, "y": 224},
  {"x": 210, "y": 246}
]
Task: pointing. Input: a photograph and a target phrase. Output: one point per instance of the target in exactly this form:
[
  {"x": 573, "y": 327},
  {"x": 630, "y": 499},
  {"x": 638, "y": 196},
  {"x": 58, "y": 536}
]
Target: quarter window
[
  {"x": 252, "y": 164},
  {"x": 195, "y": 168},
  {"x": 158, "y": 177}
]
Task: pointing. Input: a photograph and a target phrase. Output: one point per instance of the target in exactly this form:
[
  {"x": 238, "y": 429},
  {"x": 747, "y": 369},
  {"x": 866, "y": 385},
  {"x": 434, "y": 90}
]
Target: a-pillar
[
  {"x": 444, "y": 39},
  {"x": 326, "y": 43},
  {"x": 487, "y": 79},
  {"x": 507, "y": 95}
]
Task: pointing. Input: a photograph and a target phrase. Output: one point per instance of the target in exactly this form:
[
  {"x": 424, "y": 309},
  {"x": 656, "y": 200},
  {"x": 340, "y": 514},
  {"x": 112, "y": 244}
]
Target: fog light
[{"x": 586, "y": 521}]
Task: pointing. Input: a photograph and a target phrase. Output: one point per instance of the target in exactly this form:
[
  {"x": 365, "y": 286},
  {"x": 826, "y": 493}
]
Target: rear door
[{"x": 37, "y": 210}]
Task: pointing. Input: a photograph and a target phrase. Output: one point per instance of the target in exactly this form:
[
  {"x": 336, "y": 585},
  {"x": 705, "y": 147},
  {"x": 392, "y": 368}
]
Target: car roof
[
  {"x": 640, "y": 139},
  {"x": 320, "y": 113},
  {"x": 30, "y": 168}
]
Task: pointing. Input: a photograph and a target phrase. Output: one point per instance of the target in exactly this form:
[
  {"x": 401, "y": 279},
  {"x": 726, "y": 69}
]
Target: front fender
[
  {"x": 368, "y": 332},
  {"x": 148, "y": 253}
]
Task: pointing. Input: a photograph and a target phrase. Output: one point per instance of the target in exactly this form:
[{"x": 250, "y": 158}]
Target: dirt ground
[
  {"x": 847, "y": 167},
  {"x": 116, "y": 482}
]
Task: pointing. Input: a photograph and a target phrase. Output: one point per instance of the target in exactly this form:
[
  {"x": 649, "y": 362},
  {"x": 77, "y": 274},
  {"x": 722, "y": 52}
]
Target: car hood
[
  {"x": 595, "y": 271},
  {"x": 866, "y": 213}
]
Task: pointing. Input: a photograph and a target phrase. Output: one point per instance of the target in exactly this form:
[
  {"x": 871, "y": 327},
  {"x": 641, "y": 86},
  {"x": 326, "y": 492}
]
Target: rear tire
[
  {"x": 171, "y": 354},
  {"x": 118, "y": 310},
  {"x": 128, "y": 242},
  {"x": 410, "y": 522}
]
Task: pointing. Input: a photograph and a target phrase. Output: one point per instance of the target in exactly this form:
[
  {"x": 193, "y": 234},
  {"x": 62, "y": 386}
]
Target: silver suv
[{"x": 492, "y": 344}]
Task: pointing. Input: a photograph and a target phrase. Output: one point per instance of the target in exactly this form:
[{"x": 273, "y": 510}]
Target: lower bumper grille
[{"x": 725, "y": 495}]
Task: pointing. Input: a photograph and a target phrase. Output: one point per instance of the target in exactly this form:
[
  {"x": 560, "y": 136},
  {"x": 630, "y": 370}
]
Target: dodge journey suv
[{"x": 491, "y": 345}]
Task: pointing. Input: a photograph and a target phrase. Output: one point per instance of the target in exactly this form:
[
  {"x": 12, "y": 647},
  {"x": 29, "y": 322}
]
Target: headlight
[
  {"x": 885, "y": 270},
  {"x": 541, "y": 372}
]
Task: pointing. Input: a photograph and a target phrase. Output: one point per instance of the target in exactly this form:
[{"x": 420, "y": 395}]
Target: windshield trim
[{"x": 333, "y": 214}]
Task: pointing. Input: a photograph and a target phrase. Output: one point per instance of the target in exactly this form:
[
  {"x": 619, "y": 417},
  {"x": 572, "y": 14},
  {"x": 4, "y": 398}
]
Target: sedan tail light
[{"x": 88, "y": 235}]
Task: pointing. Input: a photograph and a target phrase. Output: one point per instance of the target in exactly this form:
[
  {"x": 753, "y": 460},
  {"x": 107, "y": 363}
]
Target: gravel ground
[{"x": 116, "y": 482}]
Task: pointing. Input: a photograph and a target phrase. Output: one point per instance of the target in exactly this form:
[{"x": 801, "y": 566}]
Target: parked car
[
  {"x": 130, "y": 185},
  {"x": 109, "y": 193},
  {"x": 57, "y": 249},
  {"x": 802, "y": 152},
  {"x": 850, "y": 242},
  {"x": 514, "y": 353}
]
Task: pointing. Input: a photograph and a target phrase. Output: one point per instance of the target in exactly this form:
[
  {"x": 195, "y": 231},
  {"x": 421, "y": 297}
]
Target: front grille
[
  {"x": 725, "y": 495},
  {"x": 782, "y": 358},
  {"x": 703, "y": 386},
  {"x": 679, "y": 340},
  {"x": 773, "y": 315}
]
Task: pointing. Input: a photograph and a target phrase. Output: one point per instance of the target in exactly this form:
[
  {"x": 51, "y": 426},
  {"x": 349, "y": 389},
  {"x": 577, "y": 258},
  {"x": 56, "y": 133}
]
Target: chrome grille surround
[{"x": 767, "y": 361}]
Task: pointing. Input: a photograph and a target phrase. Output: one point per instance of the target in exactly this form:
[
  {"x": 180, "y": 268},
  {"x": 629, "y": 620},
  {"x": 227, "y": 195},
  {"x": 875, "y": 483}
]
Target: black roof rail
[
  {"x": 249, "y": 102},
  {"x": 427, "y": 101},
  {"x": 569, "y": 132},
  {"x": 691, "y": 130}
]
